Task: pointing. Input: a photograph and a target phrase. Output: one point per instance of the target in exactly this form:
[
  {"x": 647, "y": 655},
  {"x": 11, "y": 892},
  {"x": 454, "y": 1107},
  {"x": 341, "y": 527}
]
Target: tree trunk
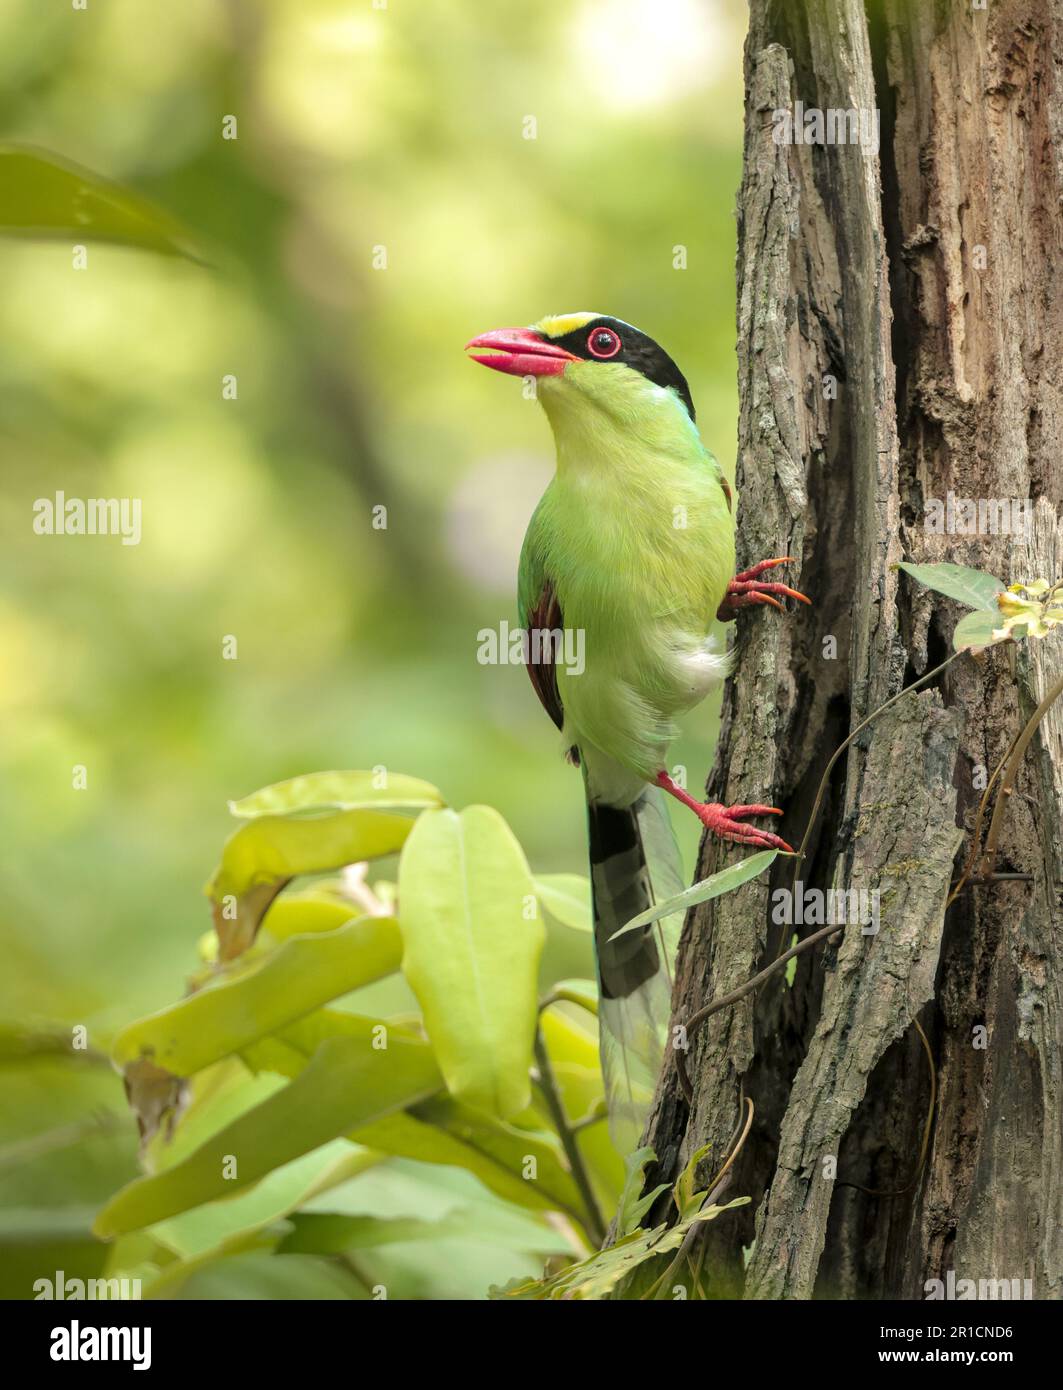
[{"x": 924, "y": 280}]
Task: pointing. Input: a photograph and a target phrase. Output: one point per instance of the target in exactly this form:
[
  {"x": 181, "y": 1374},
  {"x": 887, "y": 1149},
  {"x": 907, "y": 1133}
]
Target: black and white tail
[{"x": 634, "y": 863}]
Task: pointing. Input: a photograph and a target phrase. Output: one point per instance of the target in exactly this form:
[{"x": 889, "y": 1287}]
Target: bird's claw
[
  {"x": 727, "y": 823},
  {"x": 747, "y": 589}
]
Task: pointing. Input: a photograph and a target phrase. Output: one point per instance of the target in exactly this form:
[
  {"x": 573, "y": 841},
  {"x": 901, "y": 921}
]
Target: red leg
[
  {"x": 726, "y": 821},
  {"x": 748, "y": 588}
]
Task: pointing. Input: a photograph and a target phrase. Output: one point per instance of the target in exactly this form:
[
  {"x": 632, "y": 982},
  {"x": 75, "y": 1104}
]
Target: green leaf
[
  {"x": 405, "y": 1188},
  {"x": 472, "y": 954},
  {"x": 633, "y": 1206},
  {"x": 335, "y": 1233},
  {"x": 348, "y": 1083},
  {"x": 524, "y": 1168},
  {"x": 568, "y": 898},
  {"x": 266, "y": 852},
  {"x": 301, "y": 975},
  {"x": 712, "y": 887},
  {"x": 310, "y": 911},
  {"x": 215, "y": 1098},
  {"x": 439, "y": 1130},
  {"x": 272, "y": 849},
  {"x": 967, "y": 586},
  {"x": 326, "y": 1233},
  {"x": 235, "y": 1224},
  {"x": 511, "y": 1146},
  {"x": 598, "y": 1275},
  {"x": 316, "y": 792},
  {"x": 36, "y": 1243},
  {"x": 44, "y": 196},
  {"x": 687, "y": 1201},
  {"x": 24, "y": 1041},
  {"x": 976, "y": 629},
  {"x": 259, "y": 1276}
]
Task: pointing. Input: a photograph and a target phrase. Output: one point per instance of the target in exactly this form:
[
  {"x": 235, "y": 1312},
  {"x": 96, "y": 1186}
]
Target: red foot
[
  {"x": 726, "y": 821},
  {"x": 746, "y": 588}
]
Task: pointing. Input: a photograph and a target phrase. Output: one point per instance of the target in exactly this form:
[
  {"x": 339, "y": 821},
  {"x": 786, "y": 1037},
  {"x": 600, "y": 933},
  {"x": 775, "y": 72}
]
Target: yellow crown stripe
[{"x": 558, "y": 326}]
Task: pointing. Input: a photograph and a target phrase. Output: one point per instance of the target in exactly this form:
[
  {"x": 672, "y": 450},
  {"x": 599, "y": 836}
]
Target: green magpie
[{"x": 632, "y": 544}]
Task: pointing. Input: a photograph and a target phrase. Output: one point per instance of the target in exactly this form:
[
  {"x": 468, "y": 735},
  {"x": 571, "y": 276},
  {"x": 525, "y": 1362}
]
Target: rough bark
[{"x": 865, "y": 267}]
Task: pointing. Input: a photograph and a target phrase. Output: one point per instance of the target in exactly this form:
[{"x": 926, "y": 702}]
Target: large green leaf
[
  {"x": 339, "y": 791},
  {"x": 258, "y": 1276},
  {"x": 472, "y": 952},
  {"x": 532, "y": 1160},
  {"x": 267, "y": 851},
  {"x": 301, "y": 975},
  {"x": 236, "y": 1223},
  {"x": 329, "y": 1233},
  {"x": 568, "y": 898},
  {"x": 272, "y": 849},
  {"x": 976, "y": 629},
  {"x": 967, "y": 586},
  {"x": 214, "y": 1098},
  {"x": 349, "y": 1082},
  {"x": 526, "y": 1168},
  {"x": 712, "y": 887},
  {"x": 44, "y": 196}
]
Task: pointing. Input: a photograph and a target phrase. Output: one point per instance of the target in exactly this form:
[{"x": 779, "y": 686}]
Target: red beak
[{"x": 520, "y": 352}]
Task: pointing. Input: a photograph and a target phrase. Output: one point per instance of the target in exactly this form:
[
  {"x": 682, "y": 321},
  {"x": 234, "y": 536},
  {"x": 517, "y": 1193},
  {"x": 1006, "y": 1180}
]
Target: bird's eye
[{"x": 603, "y": 342}]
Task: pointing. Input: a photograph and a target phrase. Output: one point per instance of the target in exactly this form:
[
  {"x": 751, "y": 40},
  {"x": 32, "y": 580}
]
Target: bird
[{"x": 632, "y": 546}]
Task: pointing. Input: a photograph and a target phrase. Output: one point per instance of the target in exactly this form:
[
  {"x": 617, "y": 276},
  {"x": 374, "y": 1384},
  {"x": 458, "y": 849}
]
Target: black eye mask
[{"x": 636, "y": 350}]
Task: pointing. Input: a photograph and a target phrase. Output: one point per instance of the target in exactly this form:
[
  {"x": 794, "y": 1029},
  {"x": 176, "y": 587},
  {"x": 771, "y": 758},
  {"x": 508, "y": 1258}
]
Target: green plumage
[
  {"x": 635, "y": 536},
  {"x": 633, "y": 544}
]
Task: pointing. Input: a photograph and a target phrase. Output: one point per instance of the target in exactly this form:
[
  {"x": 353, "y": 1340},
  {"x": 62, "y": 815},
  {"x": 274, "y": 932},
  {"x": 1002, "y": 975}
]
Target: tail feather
[{"x": 634, "y": 862}]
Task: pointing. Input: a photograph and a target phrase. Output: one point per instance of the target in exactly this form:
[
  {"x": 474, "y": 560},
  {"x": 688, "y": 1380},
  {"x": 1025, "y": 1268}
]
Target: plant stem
[
  {"x": 1011, "y": 772},
  {"x": 803, "y": 847},
  {"x": 548, "y": 1084},
  {"x": 696, "y": 1020}
]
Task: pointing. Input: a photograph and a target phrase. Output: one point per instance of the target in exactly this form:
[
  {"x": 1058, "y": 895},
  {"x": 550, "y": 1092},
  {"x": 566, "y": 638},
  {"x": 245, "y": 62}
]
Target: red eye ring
[{"x": 603, "y": 342}]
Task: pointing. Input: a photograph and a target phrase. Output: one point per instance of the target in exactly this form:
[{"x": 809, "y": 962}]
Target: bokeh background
[{"x": 401, "y": 127}]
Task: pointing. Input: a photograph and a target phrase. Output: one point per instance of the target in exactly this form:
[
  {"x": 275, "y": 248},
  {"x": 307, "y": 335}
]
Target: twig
[
  {"x": 726, "y": 1000},
  {"x": 1012, "y": 771},
  {"x": 803, "y": 847},
  {"x": 734, "y": 1148},
  {"x": 976, "y": 829},
  {"x": 580, "y": 1176}
]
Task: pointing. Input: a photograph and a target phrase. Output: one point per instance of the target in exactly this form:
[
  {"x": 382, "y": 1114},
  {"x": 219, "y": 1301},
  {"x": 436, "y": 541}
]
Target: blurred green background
[{"x": 359, "y": 128}]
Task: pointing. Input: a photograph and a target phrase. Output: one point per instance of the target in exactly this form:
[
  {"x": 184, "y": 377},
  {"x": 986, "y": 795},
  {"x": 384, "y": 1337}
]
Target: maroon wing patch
[{"x": 544, "y": 619}]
